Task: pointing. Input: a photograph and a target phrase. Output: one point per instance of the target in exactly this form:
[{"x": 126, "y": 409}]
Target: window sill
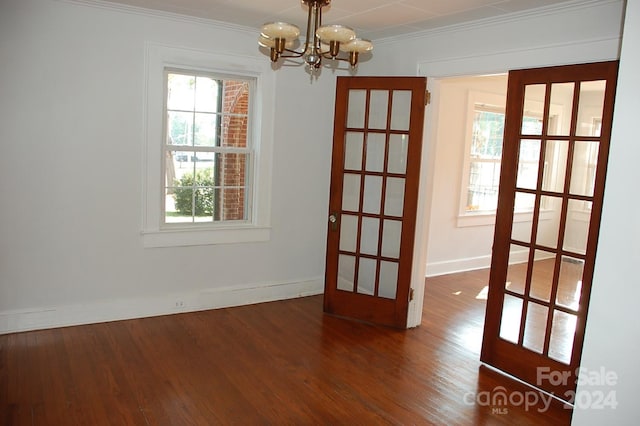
[
  {"x": 180, "y": 237},
  {"x": 489, "y": 218}
]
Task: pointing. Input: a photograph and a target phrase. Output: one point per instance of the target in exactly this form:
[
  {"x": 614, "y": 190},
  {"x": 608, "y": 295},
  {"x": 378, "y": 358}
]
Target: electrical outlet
[{"x": 179, "y": 303}]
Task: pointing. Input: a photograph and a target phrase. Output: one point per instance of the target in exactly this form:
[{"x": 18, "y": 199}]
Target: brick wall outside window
[{"x": 233, "y": 166}]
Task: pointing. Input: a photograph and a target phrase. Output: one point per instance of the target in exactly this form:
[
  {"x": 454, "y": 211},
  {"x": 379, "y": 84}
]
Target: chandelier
[{"x": 321, "y": 41}]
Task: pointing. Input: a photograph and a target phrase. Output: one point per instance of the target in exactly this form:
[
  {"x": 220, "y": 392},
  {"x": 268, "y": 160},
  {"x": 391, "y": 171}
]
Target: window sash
[{"x": 212, "y": 198}]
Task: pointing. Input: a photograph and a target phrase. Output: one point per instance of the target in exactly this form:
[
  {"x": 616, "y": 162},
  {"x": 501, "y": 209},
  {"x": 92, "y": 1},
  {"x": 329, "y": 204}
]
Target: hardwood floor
[{"x": 273, "y": 363}]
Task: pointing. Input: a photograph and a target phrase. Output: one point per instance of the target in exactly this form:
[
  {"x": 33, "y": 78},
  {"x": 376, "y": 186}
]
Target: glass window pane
[
  {"x": 486, "y": 139},
  {"x": 207, "y": 90},
  {"x": 348, "y": 232},
  {"x": 577, "y": 226},
  {"x": 549, "y": 221},
  {"x": 367, "y": 276},
  {"x": 378, "y": 106},
  {"x": 205, "y": 130},
  {"x": 235, "y": 97},
  {"x": 590, "y": 108},
  {"x": 172, "y": 214},
  {"x": 179, "y": 128},
  {"x": 351, "y": 192},
  {"x": 356, "y": 108},
  {"x": 369, "y": 236},
  {"x": 584, "y": 165},
  {"x": 180, "y": 92},
  {"x": 346, "y": 272},
  {"x": 521, "y": 230},
  {"x": 570, "y": 282},
  {"x": 535, "y": 327},
  {"x": 391, "y": 234},
  {"x": 401, "y": 111},
  {"x": 528, "y": 159},
  {"x": 375, "y": 152},
  {"x": 397, "y": 153},
  {"x": 524, "y": 202},
  {"x": 372, "y": 194},
  {"x": 511, "y": 317},
  {"x": 388, "y": 280},
  {"x": 394, "y": 197},
  {"x": 563, "y": 330},
  {"x": 353, "y": 151},
  {"x": 561, "y": 105},
  {"x": 188, "y": 197},
  {"x": 484, "y": 181},
  {"x": 555, "y": 166},
  {"x": 517, "y": 268},
  {"x": 231, "y": 205},
  {"x": 534, "y": 96},
  {"x": 234, "y": 131},
  {"x": 177, "y": 165},
  {"x": 542, "y": 275}
]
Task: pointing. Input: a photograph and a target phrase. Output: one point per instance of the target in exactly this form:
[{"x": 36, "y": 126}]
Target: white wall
[
  {"x": 586, "y": 34},
  {"x": 612, "y": 336},
  {"x": 71, "y": 129},
  {"x": 452, "y": 247},
  {"x": 573, "y": 33}
]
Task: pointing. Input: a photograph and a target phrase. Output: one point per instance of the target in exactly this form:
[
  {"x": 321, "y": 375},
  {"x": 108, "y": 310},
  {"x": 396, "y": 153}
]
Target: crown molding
[
  {"x": 160, "y": 14},
  {"x": 502, "y": 19}
]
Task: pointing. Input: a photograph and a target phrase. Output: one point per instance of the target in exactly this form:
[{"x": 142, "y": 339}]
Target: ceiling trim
[
  {"x": 502, "y": 19},
  {"x": 464, "y": 26},
  {"x": 153, "y": 13}
]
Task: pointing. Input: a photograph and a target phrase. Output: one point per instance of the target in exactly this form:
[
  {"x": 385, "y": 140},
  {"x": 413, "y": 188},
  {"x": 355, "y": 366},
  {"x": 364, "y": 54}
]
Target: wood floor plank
[{"x": 272, "y": 363}]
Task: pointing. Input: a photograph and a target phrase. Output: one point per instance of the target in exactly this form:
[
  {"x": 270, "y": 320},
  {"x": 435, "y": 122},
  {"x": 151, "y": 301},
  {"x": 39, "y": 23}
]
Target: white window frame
[
  {"x": 257, "y": 226},
  {"x": 497, "y": 103},
  {"x": 494, "y": 102}
]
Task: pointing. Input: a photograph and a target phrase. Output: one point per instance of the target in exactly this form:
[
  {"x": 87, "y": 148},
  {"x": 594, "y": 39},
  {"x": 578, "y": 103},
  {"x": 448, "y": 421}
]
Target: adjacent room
[{"x": 155, "y": 274}]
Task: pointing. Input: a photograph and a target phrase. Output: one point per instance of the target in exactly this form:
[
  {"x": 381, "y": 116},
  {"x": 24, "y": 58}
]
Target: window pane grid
[
  {"x": 484, "y": 160},
  {"x": 207, "y": 148}
]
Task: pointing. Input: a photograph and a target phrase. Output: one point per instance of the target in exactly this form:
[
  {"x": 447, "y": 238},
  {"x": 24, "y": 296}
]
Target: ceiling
[{"x": 372, "y": 19}]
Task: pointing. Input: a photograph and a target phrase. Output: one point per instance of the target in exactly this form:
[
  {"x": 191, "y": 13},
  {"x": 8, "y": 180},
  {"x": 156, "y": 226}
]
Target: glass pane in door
[
  {"x": 378, "y": 107},
  {"x": 534, "y": 97},
  {"x": 373, "y": 191},
  {"x": 356, "y": 106},
  {"x": 511, "y": 316},
  {"x": 563, "y": 332},
  {"x": 590, "y": 108},
  {"x": 346, "y": 272},
  {"x": 535, "y": 327},
  {"x": 528, "y": 160},
  {"x": 560, "y": 105}
]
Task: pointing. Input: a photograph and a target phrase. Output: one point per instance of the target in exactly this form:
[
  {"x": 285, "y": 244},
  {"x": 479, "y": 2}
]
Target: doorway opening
[{"x": 466, "y": 153}]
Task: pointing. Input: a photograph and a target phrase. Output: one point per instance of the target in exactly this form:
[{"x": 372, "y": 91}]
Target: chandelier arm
[
  {"x": 293, "y": 54},
  {"x": 326, "y": 55}
]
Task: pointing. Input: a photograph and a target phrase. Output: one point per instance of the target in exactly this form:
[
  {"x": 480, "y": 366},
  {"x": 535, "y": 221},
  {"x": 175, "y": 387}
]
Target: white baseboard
[
  {"x": 469, "y": 264},
  {"x": 457, "y": 265},
  {"x": 62, "y": 316}
]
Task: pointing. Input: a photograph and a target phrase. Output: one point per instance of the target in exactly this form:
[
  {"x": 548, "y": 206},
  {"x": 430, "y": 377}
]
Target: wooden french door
[
  {"x": 377, "y": 145},
  {"x": 556, "y": 143}
]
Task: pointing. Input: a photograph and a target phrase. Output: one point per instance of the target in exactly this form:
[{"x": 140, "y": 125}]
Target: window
[
  {"x": 481, "y": 173},
  {"x": 207, "y": 148},
  {"x": 484, "y": 161}
]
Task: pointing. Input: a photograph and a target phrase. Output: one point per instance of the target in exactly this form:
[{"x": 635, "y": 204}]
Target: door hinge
[
  {"x": 427, "y": 97},
  {"x": 410, "y": 294}
]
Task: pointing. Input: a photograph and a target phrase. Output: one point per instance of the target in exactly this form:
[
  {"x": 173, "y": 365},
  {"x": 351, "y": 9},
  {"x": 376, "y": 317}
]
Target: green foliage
[{"x": 202, "y": 191}]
